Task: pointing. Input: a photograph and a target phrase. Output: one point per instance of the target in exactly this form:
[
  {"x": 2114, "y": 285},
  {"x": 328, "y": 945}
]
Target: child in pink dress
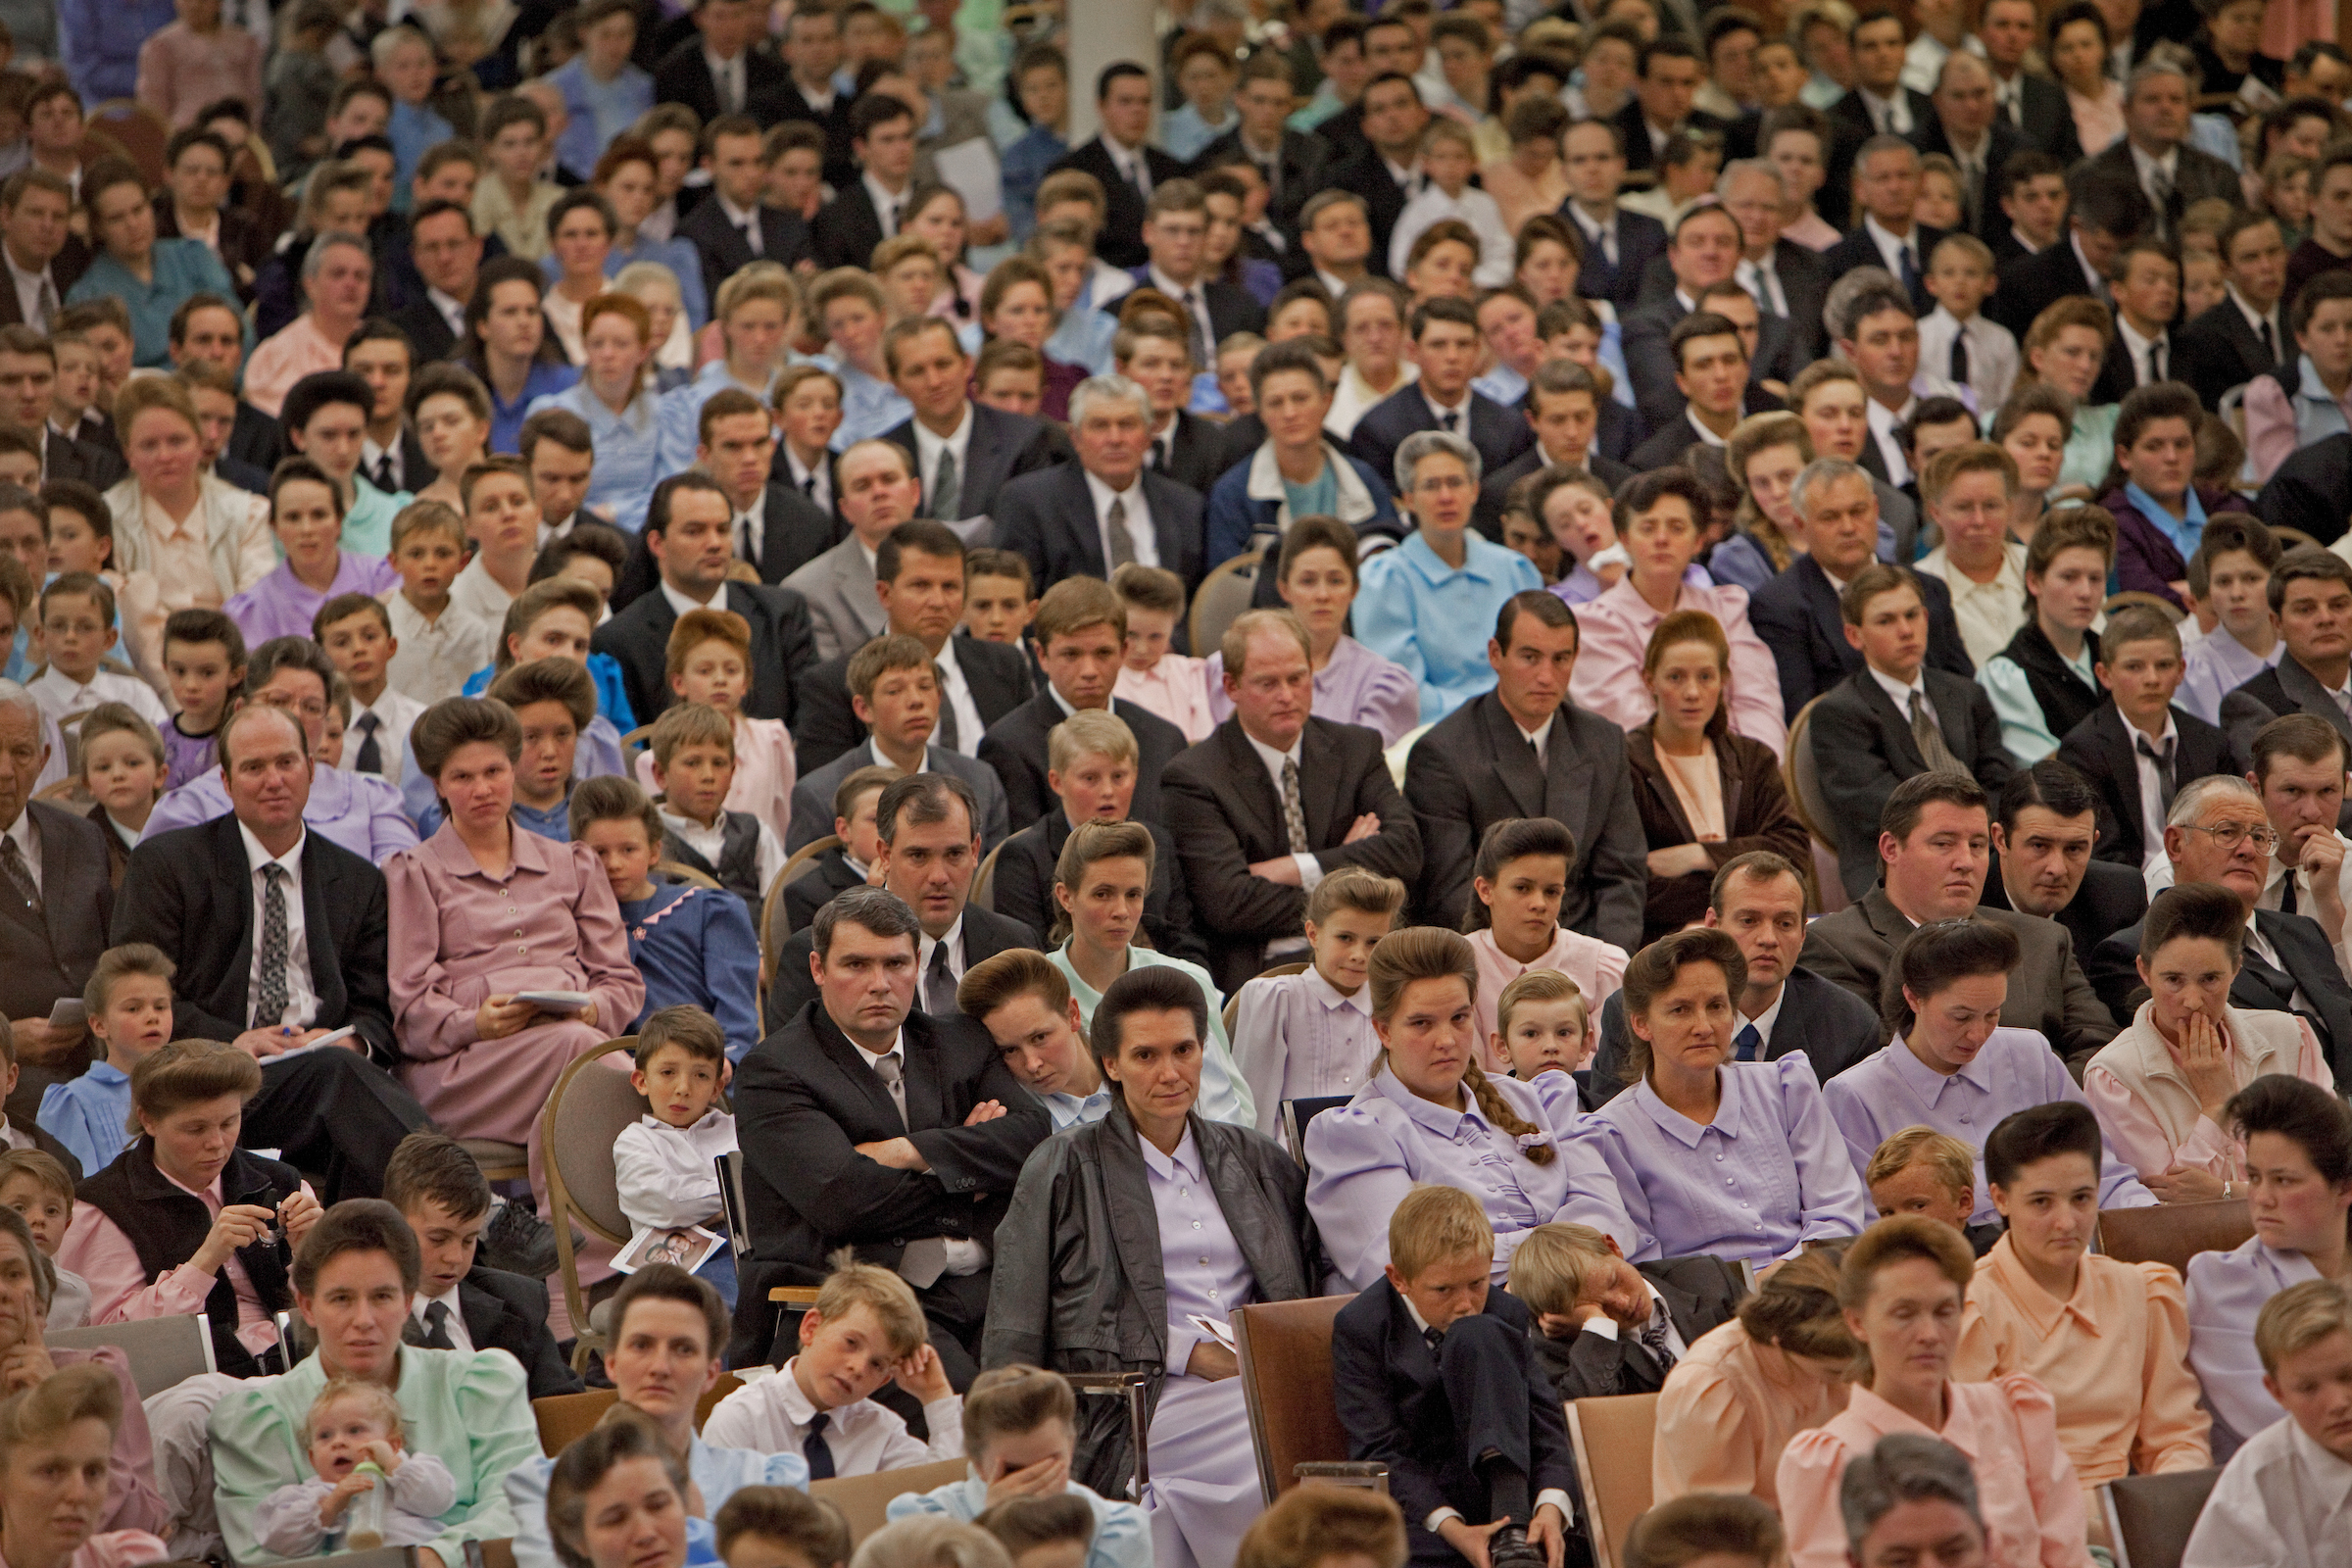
[{"x": 1171, "y": 685}]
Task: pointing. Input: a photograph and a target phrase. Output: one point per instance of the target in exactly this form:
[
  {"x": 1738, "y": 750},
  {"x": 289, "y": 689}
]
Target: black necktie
[
  {"x": 2162, "y": 759},
  {"x": 945, "y": 734},
  {"x": 372, "y": 755},
  {"x": 383, "y": 478},
  {"x": 1446, "y": 421},
  {"x": 939, "y": 983},
  {"x": 2280, "y": 985},
  {"x": 1436, "y": 1337},
  {"x": 1910, "y": 273},
  {"x": 2156, "y": 360},
  {"x": 1960, "y": 358},
  {"x": 2286, "y": 894},
  {"x": 816, "y": 1451},
  {"x": 2270, "y": 342},
  {"x": 436, "y": 1327}
]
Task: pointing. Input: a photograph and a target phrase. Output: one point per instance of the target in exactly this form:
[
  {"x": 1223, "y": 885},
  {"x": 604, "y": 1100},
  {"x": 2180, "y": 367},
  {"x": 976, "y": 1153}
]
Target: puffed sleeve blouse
[
  {"x": 1767, "y": 1175},
  {"x": 460, "y": 936},
  {"x": 1364, "y": 1157}
]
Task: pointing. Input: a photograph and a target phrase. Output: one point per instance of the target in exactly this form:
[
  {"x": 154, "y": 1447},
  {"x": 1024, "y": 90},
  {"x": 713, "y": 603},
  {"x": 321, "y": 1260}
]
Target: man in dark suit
[
  {"x": 838, "y": 1153},
  {"x": 1385, "y": 170},
  {"x": 1119, "y": 155},
  {"x": 1657, "y": 1310},
  {"x": 2311, "y": 599},
  {"x": 1444, "y": 1387},
  {"x": 2245, "y": 335},
  {"x": 1291, "y": 161},
  {"x": 776, "y": 528},
  {"x": 2029, "y": 189},
  {"x": 64, "y": 458},
  {"x": 722, "y": 229},
  {"x": 2289, "y": 965},
  {"x": 1864, "y": 743},
  {"x": 1969, "y": 130},
  {"x": 34, "y": 206},
  {"x": 1934, "y": 844},
  {"x": 1446, "y": 344},
  {"x": 447, "y": 253},
  {"x": 1666, "y": 85},
  {"x": 812, "y": 52},
  {"x": 919, "y": 577},
  {"x": 1880, "y": 105},
  {"x": 2312, "y": 490},
  {"x": 1710, "y": 360},
  {"x": 1699, "y": 261},
  {"x": 1273, "y": 784},
  {"x": 1080, "y": 632},
  {"x": 1060, "y": 521},
  {"x": 1619, "y": 245},
  {"x": 1026, "y": 870},
  {"x": 2032, "y": 105},
  {"x": 382, "y": 354},
  {"x": 439, "y": 1190},
  {"x": 1886, "y": 189},
  {"x": 1562, "y": 407},
  {"x": 883, "y": 131},
  {"x": 963, "y": 452},
  {"x": 1760, "y": 904},
  {"x": 198, "y": 894},
  {"x": 2105, "y": 213},
  {"x": 1483, "y": 766},
  {"x": 2157, "y": 100},
  {"x": 1175, "y": 229},
  {"x": 2139, "y": 738},
  {"x": 2045, "y": 823},
  {"x": 55, "y": 903},
  {"x": 690, "y": 529},
  {"x": 1798, "y": 614},
  {"x": 1788, "y": 281},
  {"x": 719, "y": 72}
]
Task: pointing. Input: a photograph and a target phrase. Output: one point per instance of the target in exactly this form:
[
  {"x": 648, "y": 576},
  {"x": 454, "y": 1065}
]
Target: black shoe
[
  {"x": 1509, "y": 1547},
  {"x": 520, "y": 1241}
]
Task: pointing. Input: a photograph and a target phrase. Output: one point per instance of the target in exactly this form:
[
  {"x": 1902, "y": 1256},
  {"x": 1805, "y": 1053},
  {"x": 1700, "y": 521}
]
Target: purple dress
[{"x": 281, "y": 605}]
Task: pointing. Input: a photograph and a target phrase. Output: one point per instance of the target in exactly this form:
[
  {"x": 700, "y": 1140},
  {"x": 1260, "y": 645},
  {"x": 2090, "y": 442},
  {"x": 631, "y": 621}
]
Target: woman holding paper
[{"x": 508, "y": 951}]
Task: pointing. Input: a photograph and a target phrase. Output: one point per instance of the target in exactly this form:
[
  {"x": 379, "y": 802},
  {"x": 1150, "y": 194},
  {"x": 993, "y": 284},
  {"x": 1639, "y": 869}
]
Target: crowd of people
[{"x": 1658, "y": 687}]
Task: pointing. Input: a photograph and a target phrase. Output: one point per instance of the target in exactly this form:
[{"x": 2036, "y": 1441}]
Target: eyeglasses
[{"x": 2229, "y": 835}]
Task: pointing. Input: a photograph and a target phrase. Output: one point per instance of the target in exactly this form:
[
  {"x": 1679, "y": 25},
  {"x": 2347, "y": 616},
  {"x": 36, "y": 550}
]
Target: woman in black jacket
[{"x": 1128, "y": 1244}]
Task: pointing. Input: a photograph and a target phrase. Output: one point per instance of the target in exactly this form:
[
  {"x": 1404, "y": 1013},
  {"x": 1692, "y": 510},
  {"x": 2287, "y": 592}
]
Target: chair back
[
  {"x": 1803, "y": 778},
  {"x": 590, "y": 1105},
  {"x": 864, "y": 1500},
  {"x": 1611, "y": 1438},
  {"x": 1284, "y": 1353},
  {"x": 380, "y": 1557},
  {"x": 565, "y": 1418},
  {"x": 2146, "y": 601},
  {"x": 731, "y": 1201},
  {"x": 984, "y": 881},
  {"x": 727, "y": 1384},
  {"x": 1221, "y": 598},
  {"x": 163, "y": 1351},
  {"x": 128, "y": 129},
  {"x": 680, "y": 872},
  {"x": 2149, "y": 1517},
  {"x": 775, "y": 920},
  {"x": 1297, "y": 1113},
  {"x": 2175, "y": 1232}
]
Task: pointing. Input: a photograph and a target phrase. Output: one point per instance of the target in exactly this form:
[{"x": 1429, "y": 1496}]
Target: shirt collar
[
  {"x": 1272, "y": 757},
  {"x": 1899, "y": 692},
  {"x": 1925, "y": 1080},
  {"x": 1681, "y": 1128},
  {"x": 1771, "y": 1015},
  {"x": 2041, "y": 1310},
  {"x": 2168, "y": 165},
  {"x": 957, "y": 438},
  {"x": 2254, "y": 319},
  {"x": 2332, "y": 1475},
  {"x": 1185, "y": 1162},
  {"x": 257, "y": 855},
  {"x": 1328, "y": 995},
  {"x": 897, "y": 1049},
  {"x": 22, "y": 831},
  {"x": 1103, "y": 493},
  {"x": 681, "y": 604}
]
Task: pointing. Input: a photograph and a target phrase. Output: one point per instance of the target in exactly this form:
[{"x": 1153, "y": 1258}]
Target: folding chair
[
  {"x": 1611, "y": 1439},
  {"x": 164, "y": 1352},
  {"x": 864, "y": 1500},
  {"x": 2149, "y": 1517},
  {"x": 1285, "y": 1352},
  {"x": 1297, "y": 1113}
]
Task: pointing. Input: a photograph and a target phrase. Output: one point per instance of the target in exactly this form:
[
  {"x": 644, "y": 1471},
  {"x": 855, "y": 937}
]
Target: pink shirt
[
  {"x": 1728, "y": 1410},
  {"x": 1176, "y": 689},
  {"x": 293, "y": 352},
  {"x": 2008, "y": 1430},
  {"x": 180, "y": 70},
  {"x": 1597, "y": 967},
  {"x": 117, "y": 1549},
  {"x": 2272, "y": 430},
  {"x": 96, "y": 1248},
  {"x": 1616, "y": 628},
  {"x": 764, "y": 772}
]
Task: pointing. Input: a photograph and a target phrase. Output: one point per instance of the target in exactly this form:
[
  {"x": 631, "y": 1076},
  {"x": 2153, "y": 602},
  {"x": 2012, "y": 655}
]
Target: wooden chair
[
  {"x": 381, "y": 1557},
  {"x": 984, "y": 881},
  {"x": 130, "y": 129},
  {"x": 775, "y": 922},
  {"x": 2175, "y": 1233},
  {"x": 2292, "y": 538},
  {"x": 679, "y": 871},
  {"x": 1233, "y": 1003},
  {"x": 1222, "y": 597},
  {"x": 2148, "y": 601},
  {"x": 1804, "y": 783},
  {"x": 2149, "y": 1517},
  {"x": 564, "y": 1418},
  {"x": 631, "y": 744},
  {"x": 498, "y": 1553},
  {"x": 1611, "y": 1439},
  {"x": 864, "y": 1500},
  {"x": 1285, "y": 1352},
  {"x": 589, "y": 1107},
  {"x": 164, "y": 1352}
]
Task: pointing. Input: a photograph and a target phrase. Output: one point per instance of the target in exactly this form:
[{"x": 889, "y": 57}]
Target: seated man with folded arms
[
  {"x": 2278, "y": 1501},
  {"x": 670, "y": 1335}
]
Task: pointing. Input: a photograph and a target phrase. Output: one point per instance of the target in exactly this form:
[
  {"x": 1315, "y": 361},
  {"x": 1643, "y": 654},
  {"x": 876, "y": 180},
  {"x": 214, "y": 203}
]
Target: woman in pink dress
[
  {"x": 480, "y": 914},
  {"x": 55, "y": 1437}
]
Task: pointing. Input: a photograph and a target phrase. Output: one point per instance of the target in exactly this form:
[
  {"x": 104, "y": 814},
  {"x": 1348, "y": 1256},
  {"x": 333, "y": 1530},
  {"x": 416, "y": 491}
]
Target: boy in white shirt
[
  {"x": 1448, "y": 158},
  {"x": 77, "y": 630},
  {"x": 2282, "y": 1498},
  {"x": 356, "y": 630},
  {"x": 1309, "y": 1035},
  {"x": 439, "y": 644},
  {"x": 666, "y": 1162},
  {"x": 1960, "y": 276}
]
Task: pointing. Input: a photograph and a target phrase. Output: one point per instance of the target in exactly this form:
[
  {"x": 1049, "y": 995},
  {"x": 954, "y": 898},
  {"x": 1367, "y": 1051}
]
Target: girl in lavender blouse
[
  {"x": 1309, "y": 1035},
  {"x": 1738, "y": 1161},
  {"x": 306, "y": 514},
  {"x": 1353, "y": 685},
  {"x": 1432, "y": 1115}
]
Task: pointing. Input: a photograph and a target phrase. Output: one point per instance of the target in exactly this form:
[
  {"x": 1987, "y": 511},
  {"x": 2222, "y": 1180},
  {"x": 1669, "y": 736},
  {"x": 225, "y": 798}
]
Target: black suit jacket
[
  {"x": 1015, "y": 747},
  {"x": 824, "y": 724},
  {"x": 428, "y": 331},
  {"x": 2304, "y": 954},
  {"x": 792, "y": 987},
  {"x": 2312, "y": 490},
  {"x": 1121, "y": 242},
  {"x": 1477, "y": 769},
  {"x": 2286, "y": 687},
  {"x": 1385, "y": 1381},
  {"x": 1495, "y": 490},
  {"x": 1231, "y": 307},
  {"x": 2034, "y": 284},
  {"x": 2049, "y": 121},
  {"x": 1002, "y": 447},
  {"x": 2111, "y": 898},
  {"x": 1859, "y": 249},
  {"x": 2102, "y": 749},
  {"x": 1367, "y": 174},
  {"x": 93, "y": 464},
  {"x": 841, "y": 157},
  {"x": 508, "y": 1312},
  {"x": 1194, "y": 456},
  {"x": 2220, "y": 350},
  {"x": 1849, "y": 127},
  {"x": 1796, "y": 614},
  {"x": 1499, "y": 434},
  {"x": 257, "y": 438},
  {"x": 805, "y": 895},
  {"x": 1700, "y": 1292},
  {"x": 1048, "y": 519},
  {"x": 847, "y": 228},
  {"x": 805, "y": 1098},
  {"x": 65, "y": 270},
  {"x": 795, "y": 531},
  {"x": 1641, "y": 240},
  {"x": 783, "y": 237},
  {"x": 1805, "y": 280},
  {"x": 2196, "y": 175},
  {"x": 49, "y": 953},
  {"x": 1930, "y": 137},
  {"x": 783, "y": 647},
  {"x": 190, "y": 893},
  {"x": 1634, "y": 130},
  {"x": 1023, "y": 890},
  {"x": 683, "y": 78},
  {"x": 1304, "y": 160},
  {"x": 1862, "y": 748},
  {"x": 1825, "y": 1021},
  {"x": 1226, "y": 816}
]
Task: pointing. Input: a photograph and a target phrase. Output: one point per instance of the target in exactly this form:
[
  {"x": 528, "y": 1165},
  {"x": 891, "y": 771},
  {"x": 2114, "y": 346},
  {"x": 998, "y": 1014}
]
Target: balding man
[
  {"x": 1275, "y": 800},
  {"x": 876, "y": 490},
  {"x": 55, "y": 901},
  {"x": 1969, "y": 130}
]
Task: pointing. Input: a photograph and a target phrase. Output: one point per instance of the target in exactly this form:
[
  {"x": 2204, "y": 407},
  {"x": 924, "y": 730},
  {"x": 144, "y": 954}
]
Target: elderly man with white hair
[
  {"x": 1088, "y": 516},
  {"x": 336, "y": 276}
]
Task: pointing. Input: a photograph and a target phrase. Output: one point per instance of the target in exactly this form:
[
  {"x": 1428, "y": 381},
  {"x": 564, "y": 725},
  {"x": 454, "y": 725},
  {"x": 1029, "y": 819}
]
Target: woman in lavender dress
[
  {"x": 306, "y": 514},
  {"x": 1353, "y": 685}
]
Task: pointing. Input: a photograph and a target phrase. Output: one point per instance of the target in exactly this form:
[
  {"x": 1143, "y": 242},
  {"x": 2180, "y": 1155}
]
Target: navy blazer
[
  {"x": 1641, "y": 240},
  {"x": 783, "y": 647},
  {"x": 1498, "y": 433},
  {"x": 1047, "y": 519},
  {"x": 1858, "y": 249},
  {"x": 1796, "y": 614}
]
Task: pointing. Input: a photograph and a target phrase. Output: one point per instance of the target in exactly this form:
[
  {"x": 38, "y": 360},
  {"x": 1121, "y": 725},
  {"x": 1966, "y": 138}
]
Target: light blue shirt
[
  {"x": 599, "y": 111},
  {"x": 1204, "y": 1271},
  {"x": 1122, "y": 1535},
  {"x": 1434, "y": 620},
  {"x": 718, "y": 1473},
  {"x": 88, "y": 1114},
  {"x": 2184, "y": 532},
  {"x": 505, "y": 418},
  {"x": 2024, "y": 727},
  {"x": 181, "y": 267},
  {"x": 1224, "y": 1092},
  {"x": 412, "y": 130},
  {"x": 1066, "y": 1110},
  {"x": 1023, "y": 168},
  {"x": 2226, "y": 1294},
  {"x": 868, "y": 408},
  {"x": 627, "y": 449},
  {"x": 1184, "y": 135},
  {"x": 367, "y": 525},
  {"x": 1084, "y": 336},
  {"x": 681, "y": 409}
]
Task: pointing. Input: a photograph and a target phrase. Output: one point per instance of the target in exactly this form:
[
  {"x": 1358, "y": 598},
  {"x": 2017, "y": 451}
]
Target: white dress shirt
[
  {"x": 1892, "y": 246},
  {"x": 27, "y": 839},
  {"x": 395, "y": 713},
  {"x": 452, "y": 308},
  {"x": 1762, "y": 279},
  {"x": 889, "y": 206},
  {"x": 745, "y": 221},
  {"x": 1888, "y": 116},
  {"x": 927, "y": 448},
  {"x": 1763, "y": 1023},
  {"x": 751, "y": 527},
  {"x": 727, "y": 79},
  {"x": 1133, "y": 167},
  {"x": 772, "y": 1417},
  {"x": 28, "y": 290},
  {"x": 668, "y": 1176},
  {"x": 2151, "y": 170},
  {"x": 1605, "y": 1326},
  {"x": 709, "y": 842},
  {"x": 1883, "y": 422},
  {"x": 816, "y": 483},
  {"x": 955, "y": 692},
  {"x": 926, "y": 945},
  {"x": 1992, "y": 354},
  {"x": 302, "y": 1000},
  {"x": 1193, "y": 299},
  {"x": 1138, "y": 518},
  {"x": 453, "y": 1325},
  {"x": 1900, "y": 694},
  {"x": 1598, "y": 234}
]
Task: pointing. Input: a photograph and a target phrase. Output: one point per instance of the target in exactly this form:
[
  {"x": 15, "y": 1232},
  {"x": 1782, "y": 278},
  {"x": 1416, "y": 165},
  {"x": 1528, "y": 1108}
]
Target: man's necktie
[
  {"x": 1747, "y": 1044},
  {"x": 383, "y": 478},
  {"x": 815, "y": 1450},
  {"x": 370, "y": 759},
  {"x": 747, "y": 544},
  {"x": 939, "y": 982},
  {"x": 20, "y": 874},
  {"x": 947, "y": 487},
  {"x": 2167, "y": 202},
  {"x": 890, "y": 218},
  {"x": 48, "y": 303},
  {"x": 2156, "y": 360},
  {"x": 1159, "y": 454},
  {"x": 925, "y": 1258},
  {"x": 1448, "y": 420},
  {"x": 1653, "y": 1337},
  {"x": 1960, "y": 358},
  {"x": 1972, "y": 183},
  {"x": 270, "y": 1005},
  {"x": 1929, "y": 738},
  {"x": 1204, "y": 353},
  {"x": 2286, "y": 894},
  {"x": 1608, "y": 245},
  {"x": 1293, "y": 811},
  {"x": 436, "y": 1327},
  {"x": 893, "y": 1081},
  {"x": 2162, "y": 758},
  {"x": 1436, "y": 1338},
  {"x": 2270, "y": 342},
  {"x": 1910, "y": 270},
  {"x": 1122, "y": 543},
  {"x": 946, "y": 732},
  {"x": 749, "y": 228}
]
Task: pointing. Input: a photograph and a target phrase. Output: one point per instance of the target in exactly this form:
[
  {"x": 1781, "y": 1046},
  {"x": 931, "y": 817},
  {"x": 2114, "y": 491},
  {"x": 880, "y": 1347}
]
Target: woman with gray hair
[
  {"x": 1430, "y": 603},
  {"x": 1911, "y": 1500}
]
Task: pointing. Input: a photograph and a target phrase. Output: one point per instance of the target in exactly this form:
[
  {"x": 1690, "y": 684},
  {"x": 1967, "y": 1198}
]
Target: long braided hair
[{"x": 1432, "y": 952}]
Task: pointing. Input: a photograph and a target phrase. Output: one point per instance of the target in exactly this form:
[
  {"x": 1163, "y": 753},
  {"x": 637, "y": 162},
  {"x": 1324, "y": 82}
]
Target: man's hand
[
  {"x": 898, "y": 1154},
  {"x": 986, "y": 1110},
  {"x": 2323, "y": 859},
  {"x": 38, "y": 1043},
  {"x": 1211, "y": 1363},
  {"x": 1468, "y": 1539},
  {"x": 1047, "y": 1478},
  {"x": 1551, "y": 1532},
  {"x": 921, "y": 1376},
  {"x": 1366, "y": 826},
  {"x": 262, "y": 1044},
  {"x": 1282, "y": 868}
]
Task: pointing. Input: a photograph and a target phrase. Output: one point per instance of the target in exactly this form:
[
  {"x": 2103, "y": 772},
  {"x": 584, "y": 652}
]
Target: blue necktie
[{"x": 1747, "y": 1044}]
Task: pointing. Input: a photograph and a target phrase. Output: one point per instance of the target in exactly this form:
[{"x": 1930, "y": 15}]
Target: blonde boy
[
  {"x": 1960, "y": 276},
  {"x": 1922, "y": 1171},
  {"x": 2273, "y": 1503},
  {"x": 437, "y": 645},
  {"x": 36, "y": 1185},
  {"x": 1450, "y": 156},
  {"x": 694, "y": 765},
  {"x": 908, "y": 269},
  {"x": 667, "y": 1161},
  {"x": 1607, "y": 1327},
  {"x": 76, "y": 633},
  {"x": 1543, "y": 1029},
  {"x": 1309, "y": 1035}
]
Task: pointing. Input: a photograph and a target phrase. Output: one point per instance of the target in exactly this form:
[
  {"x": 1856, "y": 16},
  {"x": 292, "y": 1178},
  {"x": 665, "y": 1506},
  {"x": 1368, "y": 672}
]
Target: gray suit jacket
[
  {"x": 2047, "y": 990},
  {"x": 812, "y": 795},
  {"x": 843, "y": 607}
]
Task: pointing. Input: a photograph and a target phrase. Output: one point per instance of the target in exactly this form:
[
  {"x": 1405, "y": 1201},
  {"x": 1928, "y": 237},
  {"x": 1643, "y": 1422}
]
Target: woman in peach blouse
[
  {"x": 481, "y": 912},
  {"x": 54, "y": 1441},
  {"x": 1519, "y": 877},
  {"x": 1744, "y": 1389},
  {"x": 2108, "y": 1340},
  {"x": 1901, "y": 1286},
  {"x": 2159, "y": 1085}
]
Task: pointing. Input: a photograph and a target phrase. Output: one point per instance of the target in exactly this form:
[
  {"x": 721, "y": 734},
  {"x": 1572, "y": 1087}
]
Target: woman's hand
[
  {"x": 921, "y": 1376},
  {"x": 299, "y": 1213},
  {"x": 2184, "y": 1186},
  {"x": 27, "y": 1362},
  {"x": 500, "y": 1016},
  {"x": 236, "y": 1225},
  {"x": 1680, "y": 859},
  {"x": 587, "y": 1014},
  {"x": 332, "y": 1505},
  {"x": 2204, "y": 1062},
  {"x": 1047, "y": 1478},
  {"x": 1211, "y": 1363}
]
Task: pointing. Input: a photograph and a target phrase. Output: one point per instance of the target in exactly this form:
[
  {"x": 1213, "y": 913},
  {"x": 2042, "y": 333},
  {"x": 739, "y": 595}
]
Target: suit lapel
[
  {"x": 1318, "y": 759},
  {"x": 326, "y": 969},
  {"x": 926, "y": 1105},
  {"x": 1514, "y": 758},
  {"x": 2122, "y": 765},
  {"x": 1135, "y": 1222},
  {"x": 2310, "y": 696},
  {"x": 1893, "y": 719},
  {"x": 1078, "y": 515},
  {"x": 1257, "y": 792},
  {"x": 233, "y": 899},
  {"x": 858, "y": 1077}
]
